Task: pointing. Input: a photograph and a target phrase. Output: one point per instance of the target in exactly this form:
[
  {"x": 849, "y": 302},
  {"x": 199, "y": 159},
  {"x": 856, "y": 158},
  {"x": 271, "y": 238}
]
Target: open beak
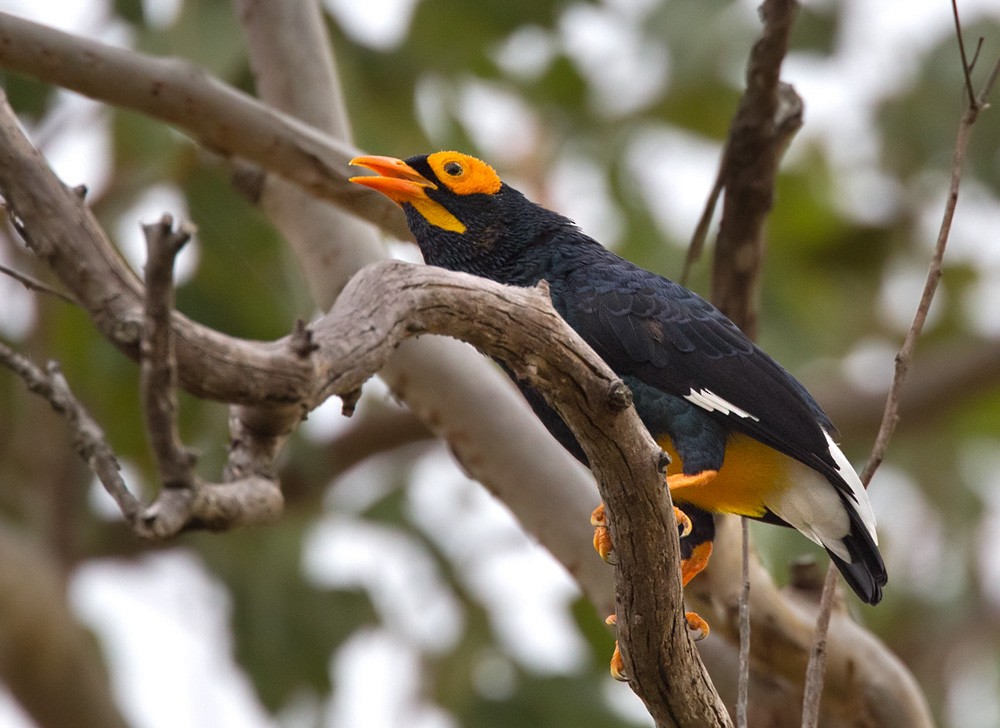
[{"x": 396, "y": 179}]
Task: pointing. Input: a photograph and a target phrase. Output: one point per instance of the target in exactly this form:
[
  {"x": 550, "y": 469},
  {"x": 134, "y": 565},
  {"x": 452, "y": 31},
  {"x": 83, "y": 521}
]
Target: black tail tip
[{"x": 866, "y": 577}]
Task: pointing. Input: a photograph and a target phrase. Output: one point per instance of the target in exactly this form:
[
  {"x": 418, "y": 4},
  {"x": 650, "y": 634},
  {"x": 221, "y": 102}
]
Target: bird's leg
[
  {"x": 617, "y": 663},
  {"x": 602, "y": 536},
  {"x": 690, "y": 566}
]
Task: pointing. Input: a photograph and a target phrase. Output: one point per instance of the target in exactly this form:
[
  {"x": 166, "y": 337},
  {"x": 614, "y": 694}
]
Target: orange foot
[
  {"x": 617, "y": 663},
  {"x": 697, "y": 626},
  {"x": 602, "y": 536}
]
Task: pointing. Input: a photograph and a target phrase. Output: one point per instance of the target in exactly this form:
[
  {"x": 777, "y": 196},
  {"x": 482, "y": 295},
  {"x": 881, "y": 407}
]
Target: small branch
[
  {"x": 88, "y": 437},
  {"x": 700, "y": 235},
  {"x": 34, "y": 285},
  {"x": 158, "y": 382},
  {"x": 890, "y": 415},
  {"x": 966, "y": 65},
  {"x": 816, "y": 669},
  {"x": 769, "y": 114},
  {"x": 743, "y": 693}
]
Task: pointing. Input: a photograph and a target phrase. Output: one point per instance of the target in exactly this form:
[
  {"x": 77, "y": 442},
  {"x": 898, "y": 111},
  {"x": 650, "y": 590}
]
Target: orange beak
[{"x": 396, "y": 179}]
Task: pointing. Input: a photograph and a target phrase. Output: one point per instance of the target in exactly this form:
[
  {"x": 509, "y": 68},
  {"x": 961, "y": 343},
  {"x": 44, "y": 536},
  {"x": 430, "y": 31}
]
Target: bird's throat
[{"x": 436, "y": 214}]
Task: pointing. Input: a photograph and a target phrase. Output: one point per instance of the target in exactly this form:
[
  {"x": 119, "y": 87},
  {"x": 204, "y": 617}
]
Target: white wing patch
[
  {"x": 711, "y": 402},
  {"x": 847, "y": 472}
]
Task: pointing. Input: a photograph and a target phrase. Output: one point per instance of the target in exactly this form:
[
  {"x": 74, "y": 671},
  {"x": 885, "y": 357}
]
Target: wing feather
[{"x": 670, "y": 338}]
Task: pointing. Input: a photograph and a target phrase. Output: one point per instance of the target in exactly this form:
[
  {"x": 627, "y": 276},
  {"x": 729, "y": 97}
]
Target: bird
[{"x": 743, "y": 435}]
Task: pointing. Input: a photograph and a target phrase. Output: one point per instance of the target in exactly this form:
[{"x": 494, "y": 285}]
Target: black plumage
[{"x": 697, "y": 379}]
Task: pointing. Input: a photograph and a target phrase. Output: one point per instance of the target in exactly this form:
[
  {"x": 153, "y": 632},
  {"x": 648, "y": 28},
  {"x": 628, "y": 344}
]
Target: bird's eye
[{"x": 453, "y": 168}]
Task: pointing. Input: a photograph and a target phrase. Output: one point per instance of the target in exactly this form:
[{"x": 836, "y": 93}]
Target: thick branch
[
  {"x": 294, "y": 70},
  {"x": 519, "y": 327},
  {"x": 270, "y": 375},
  {"x": 214, "y": 114},
  {"x": 60, "y": 229},
  {"x": 770, "y": 113}
]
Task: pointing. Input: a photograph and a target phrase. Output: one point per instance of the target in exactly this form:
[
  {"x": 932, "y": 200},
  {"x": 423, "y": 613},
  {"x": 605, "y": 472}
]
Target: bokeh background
[{"x": 395, "y": 592}]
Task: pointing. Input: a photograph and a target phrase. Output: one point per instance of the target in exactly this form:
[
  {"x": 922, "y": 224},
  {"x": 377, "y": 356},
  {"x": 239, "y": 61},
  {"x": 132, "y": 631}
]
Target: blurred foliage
[{"x": 823, "y": 294}]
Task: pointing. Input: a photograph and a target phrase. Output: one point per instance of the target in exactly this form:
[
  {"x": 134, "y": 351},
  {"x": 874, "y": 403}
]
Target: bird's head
[{"x": 462, "y": 215}]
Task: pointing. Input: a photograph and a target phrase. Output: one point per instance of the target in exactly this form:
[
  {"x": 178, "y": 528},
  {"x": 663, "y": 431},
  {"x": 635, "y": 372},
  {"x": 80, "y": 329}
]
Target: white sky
[{"x": 168, "y": 605}]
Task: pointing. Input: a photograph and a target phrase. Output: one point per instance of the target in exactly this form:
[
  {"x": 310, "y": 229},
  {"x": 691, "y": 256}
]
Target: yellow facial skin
[{"x": 460, "y": 173}]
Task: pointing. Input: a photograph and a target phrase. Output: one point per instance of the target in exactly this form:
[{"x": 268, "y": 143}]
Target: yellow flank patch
[
  {"x": 436, "y": 214},
  {"x": 750, "y": 473},
  {"x": 464, "y": 175}
]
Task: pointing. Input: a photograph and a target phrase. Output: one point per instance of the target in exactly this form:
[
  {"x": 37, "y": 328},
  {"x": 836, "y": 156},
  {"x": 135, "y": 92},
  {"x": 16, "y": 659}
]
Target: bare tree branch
[
  {"x": 216, "y": 115},
  {"x": 293, "y": 66},
  {"x": 88, "y": 437},
  {"x": 32, "y": 285},
  {"x": 158, "y": 383},
  {"x": 562, "y": 527},
  {"x": 770, "y": 113},
  {"x": 890, "y": 416}
]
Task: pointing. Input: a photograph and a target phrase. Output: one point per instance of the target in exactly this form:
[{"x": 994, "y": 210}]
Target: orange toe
[
  {"x": 683, "y": 521},
  {"x": 602, "y": 536},
  {"x": 618, "y": 665},
  {"x": 697, "y": 625}
]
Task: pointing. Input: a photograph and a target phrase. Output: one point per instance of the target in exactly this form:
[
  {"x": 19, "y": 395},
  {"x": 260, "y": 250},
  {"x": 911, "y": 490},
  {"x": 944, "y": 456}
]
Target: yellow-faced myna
[{"x": 745, "y": 437}]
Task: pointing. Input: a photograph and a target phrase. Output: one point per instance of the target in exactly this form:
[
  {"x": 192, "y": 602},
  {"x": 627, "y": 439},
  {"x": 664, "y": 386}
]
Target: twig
[
  {"x": 88, "y": 437},
  {"x": 743, "y": 692},
  {"x": 966, "y": 65},
  {"x": 158, "y": 381},
  {"x": 697, "y": 244},
  {"x": 35, "y": 285},
  {"x": 890, "y": 416},
  {"x": 816, "y": 669}
]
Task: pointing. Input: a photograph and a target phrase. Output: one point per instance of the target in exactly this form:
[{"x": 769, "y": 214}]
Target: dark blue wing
[{"x": 670, "y": 338}]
